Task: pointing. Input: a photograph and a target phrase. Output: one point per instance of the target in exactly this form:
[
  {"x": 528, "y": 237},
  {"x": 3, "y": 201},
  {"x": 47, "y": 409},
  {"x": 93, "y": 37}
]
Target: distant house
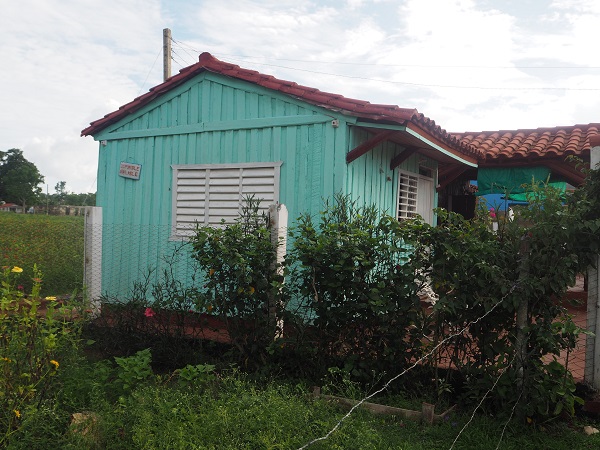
[
  {"x": 11, "y": 207},
  {"x": 191, "y": 148},
  {"x": 511, "y": 159}
]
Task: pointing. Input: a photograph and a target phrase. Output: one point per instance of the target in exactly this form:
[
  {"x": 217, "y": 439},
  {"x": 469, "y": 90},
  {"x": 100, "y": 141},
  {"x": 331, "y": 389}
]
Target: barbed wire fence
[
  {"x": 418, "y": 362},
  {"x": 118, "y": 255}
]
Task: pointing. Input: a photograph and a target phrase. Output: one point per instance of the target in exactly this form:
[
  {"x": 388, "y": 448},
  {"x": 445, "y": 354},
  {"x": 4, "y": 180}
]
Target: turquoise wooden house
[{"x": 194, "y": 146}]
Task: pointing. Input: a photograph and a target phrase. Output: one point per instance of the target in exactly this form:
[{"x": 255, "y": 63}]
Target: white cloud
[{"x": 72, "y": 61}]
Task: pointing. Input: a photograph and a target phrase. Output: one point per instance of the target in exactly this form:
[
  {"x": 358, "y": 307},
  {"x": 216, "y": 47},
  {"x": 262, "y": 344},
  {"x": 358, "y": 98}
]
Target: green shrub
[
  {"x": 33, "y": 345},
  {"x": 358, "y": 280},
  {"x": 499, "y": 314},
  {"x": 134, "y": 370},
  {"x": 243, "y": 284},
  {"x": 195, "y": 374}
]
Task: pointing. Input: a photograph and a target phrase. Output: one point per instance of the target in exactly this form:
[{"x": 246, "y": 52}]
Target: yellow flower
[
  {"x": 16, "y": 269},
  {"x": 251, "y": 290},
  {"x": 6, "y": 359},
  {"x": 56, "y": 364},
  {"x": 17, "y": 413},
  {"x": 211, "y": 272},
  {"x": 51, "y": 298}
]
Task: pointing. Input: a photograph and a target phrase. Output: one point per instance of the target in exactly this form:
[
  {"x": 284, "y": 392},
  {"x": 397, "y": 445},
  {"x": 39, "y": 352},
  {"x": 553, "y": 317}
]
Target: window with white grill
[
  {"x": 415, "y": 196},
  {"x": 407, "y": 195},
  {"x": 209, "y": 193}
]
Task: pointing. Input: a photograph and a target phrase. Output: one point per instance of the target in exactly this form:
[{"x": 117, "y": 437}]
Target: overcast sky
[{"x": 470, "y": 65}]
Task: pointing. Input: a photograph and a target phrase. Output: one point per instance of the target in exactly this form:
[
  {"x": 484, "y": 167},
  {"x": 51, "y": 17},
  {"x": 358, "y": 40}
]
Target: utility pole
[{"x": 166, "y": 53}]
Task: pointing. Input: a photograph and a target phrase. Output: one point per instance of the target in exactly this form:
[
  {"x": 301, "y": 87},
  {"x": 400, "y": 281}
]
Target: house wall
[
  {"x": 208, "y": 120},
  {"x": 213, "y": 119},
  {"x": 370, "y": 178}
]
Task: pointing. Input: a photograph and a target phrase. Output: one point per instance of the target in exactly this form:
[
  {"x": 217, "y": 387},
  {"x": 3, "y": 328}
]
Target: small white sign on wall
[{"x": 128, "y": 170}]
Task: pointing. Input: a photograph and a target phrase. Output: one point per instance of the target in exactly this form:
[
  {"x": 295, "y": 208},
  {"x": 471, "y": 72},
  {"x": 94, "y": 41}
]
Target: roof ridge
[{"x": 362, "y": 109}]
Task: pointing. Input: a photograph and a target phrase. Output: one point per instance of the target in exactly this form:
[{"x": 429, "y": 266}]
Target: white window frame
[
  {"x": 410, "y": 198},
  {"x": 209, "y": 183}
]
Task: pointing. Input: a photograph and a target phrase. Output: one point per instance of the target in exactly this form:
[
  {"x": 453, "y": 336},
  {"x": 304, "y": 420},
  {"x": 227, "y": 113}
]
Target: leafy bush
[
  {"x": 33, "y": 345},
  {"x": 357, "y": 279},
  {"x": 134, "y": 370},
  {"x": 195, "y": 374},
  {"x": 243, "y": 283},
  {"x": 499, "y": 313}
]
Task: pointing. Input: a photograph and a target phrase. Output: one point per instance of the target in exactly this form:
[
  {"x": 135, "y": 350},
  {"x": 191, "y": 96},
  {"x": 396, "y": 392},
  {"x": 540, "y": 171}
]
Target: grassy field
[{"x": 54, "y": 243}]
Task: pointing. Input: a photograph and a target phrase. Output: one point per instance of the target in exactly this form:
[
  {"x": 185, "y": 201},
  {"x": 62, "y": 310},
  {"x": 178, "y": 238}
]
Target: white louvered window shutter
[{"x": 209, "y": 193}]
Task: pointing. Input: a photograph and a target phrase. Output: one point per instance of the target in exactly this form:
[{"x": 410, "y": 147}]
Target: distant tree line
[
  {"x": 62, "y": 197},
  {"x": 20, "y": 182}
]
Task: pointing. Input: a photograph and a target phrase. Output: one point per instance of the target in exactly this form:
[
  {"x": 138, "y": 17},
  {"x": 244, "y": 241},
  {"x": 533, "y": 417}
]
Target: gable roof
[
  {"x": 531, "y": 144},
  {"x": 363, "y": 110}
]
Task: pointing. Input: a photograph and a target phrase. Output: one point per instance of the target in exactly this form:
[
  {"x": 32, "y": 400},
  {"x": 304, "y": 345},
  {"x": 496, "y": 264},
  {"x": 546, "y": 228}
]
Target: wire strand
[
  {"x": 150, "y": 71},
  {"x": 481, "y": 402},
  {"x": 405, "y": 371},
  {"x": 418, "y": 66},
  {"x": 512, "y": 412},
  {"x": 444, "y": 86}
]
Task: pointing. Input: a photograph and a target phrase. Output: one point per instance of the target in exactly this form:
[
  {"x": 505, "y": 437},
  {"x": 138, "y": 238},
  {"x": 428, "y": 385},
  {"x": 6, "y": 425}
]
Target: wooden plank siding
[
  {"x": 370, "y": 179},
  {"x": 208, "y": 120},
  {"x": 213, "y": 119}
]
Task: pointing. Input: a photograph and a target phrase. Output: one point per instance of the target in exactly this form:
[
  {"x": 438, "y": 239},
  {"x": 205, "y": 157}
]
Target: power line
[
  {"x": 418, "y": 66},
  {"x": 150, "y": 71},
  {"x": 244, "y": 59},
  {"x": 181, "y": 46},
  {"x": 173, "y": 53},
  {"x": 431, "y": 85}
]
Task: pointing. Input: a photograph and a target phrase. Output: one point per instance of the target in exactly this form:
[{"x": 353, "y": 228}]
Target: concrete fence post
[
  {"x": 278, "y": 215},
  {"x": 92, "y": 261}
]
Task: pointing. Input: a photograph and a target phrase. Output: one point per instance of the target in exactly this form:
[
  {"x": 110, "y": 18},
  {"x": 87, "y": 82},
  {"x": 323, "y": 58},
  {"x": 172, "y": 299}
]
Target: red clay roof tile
[
  {"x": 387, "y": 114},
  {"x": 532, "y": 143}
]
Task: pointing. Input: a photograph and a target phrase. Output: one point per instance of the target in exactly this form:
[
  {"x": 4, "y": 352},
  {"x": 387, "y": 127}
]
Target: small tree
[
  {"x": 19, "y": 178},
  {"x": 60, "y": 192}
]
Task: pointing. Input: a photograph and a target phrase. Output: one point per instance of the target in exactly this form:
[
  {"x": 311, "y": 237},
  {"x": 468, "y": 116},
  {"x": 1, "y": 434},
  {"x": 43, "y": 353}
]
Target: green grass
[
  {"x": 235, "y": 413},
  {"x": 54, "y": 243}
]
